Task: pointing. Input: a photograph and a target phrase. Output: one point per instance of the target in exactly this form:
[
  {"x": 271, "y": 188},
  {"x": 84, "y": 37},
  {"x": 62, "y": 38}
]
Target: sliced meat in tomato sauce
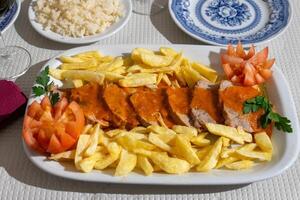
[
  {"x": 117, "y": 100},
  {"x": 90, "y": 99}
]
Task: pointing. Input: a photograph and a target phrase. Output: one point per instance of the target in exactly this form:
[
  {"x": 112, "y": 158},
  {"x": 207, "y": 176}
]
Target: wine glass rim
[{"x": 25, "y": 69}]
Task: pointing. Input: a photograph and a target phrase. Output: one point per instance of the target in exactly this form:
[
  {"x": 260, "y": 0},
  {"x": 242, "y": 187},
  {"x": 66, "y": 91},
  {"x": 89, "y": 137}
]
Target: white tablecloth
[{"x": 20, "y": 179}]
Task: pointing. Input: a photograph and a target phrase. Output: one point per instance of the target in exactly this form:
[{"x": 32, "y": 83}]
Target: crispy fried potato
[
  {"x": 67, "y": 59},
  {"x": 226, "y": 152},
  {"x": 211, "y": 159},
  {"x": 191, "y": 75},
  {"x": 130, "y": 143},
  {"x": 247, "y": 137},
  {"x": 205, "y": 71},
  {"x": 139, "y": 129},
  {"x": 82, "y": 144},
  {"x": 77, "y": 83},
  {"x": 169, "y": 164},
  {"x": 138, "y": 79},
  {"x": 226, "y": 161},
  {"x": 262, "y": 156},
  {"x": 79, "y": 65},
  {"x": 126, "y": 164},
  {"x": 114, "y": 132},
  {"x": 144, "y": 164},
  {"x": 201, "y": 153},
  {"x": 166, "y": 79},
  {"x": 200, "y": 141},
  {"x": 153, "y": 60},
  {"x": 113, "y": 77},
  {"x": 166, "y": 51},
  {"x": 56, "y": 73},
  {"x": 164, "y": 133},
  {"x": 87, "y": 164},
  {"x": 66, "y": 155},
  {"x": 263, "y": 141},
  {"x": 137, "y": 52},
  {"x": 154, "y": 139},
  {"x": 114, "y": 151},
  {"x": 87, "y": 129},
  {"x": 190, "y": 132},
  {"x": 226, "y": 131},
  {"x": 89, "y": 55},
  {"x": 94, "y": 138},
  {"x": 89, "y": 76},
  {"x": 239, "y": 165},
  {"x": 182, "y": 148}
]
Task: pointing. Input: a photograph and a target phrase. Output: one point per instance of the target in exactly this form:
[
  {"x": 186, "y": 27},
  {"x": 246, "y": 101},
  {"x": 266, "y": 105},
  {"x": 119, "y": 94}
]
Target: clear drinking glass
[
  {"x": 148, "y": 7},
  {"x": 14, "y": 60}
]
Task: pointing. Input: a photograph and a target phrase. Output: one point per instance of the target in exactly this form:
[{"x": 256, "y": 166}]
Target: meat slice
[
  {"x": 232, "y": 99},
  {"x": 179, "y": 104},
  {"x": 204, "y": 105},
  {"x": 117, "y": 100},
  {"x": 89, "y": 97},
  {"x": 149, "y": 105}
]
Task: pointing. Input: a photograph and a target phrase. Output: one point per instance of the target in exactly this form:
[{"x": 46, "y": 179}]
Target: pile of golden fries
[
  {"x": 174, "y": 151},
  {"x": 143, "y": 67}
]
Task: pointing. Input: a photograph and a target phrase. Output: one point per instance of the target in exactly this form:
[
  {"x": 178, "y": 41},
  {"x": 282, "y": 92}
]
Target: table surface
[{"x": 20, "y": 179}]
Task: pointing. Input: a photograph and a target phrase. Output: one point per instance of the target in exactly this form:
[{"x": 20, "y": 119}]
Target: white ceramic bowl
[{"x": 82, "y": 40}]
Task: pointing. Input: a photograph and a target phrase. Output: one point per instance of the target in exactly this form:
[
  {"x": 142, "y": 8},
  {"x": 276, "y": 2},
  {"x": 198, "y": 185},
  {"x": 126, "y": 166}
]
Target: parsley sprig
[
  {"x": 44, "y": 86},
  {"x": 254, "y": 104}
]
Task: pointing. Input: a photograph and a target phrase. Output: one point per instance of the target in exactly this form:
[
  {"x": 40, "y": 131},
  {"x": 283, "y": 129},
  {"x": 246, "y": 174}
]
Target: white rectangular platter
[{"x": 286, "y": 145}]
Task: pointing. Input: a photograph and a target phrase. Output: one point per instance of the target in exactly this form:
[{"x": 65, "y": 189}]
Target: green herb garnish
[
  {"x": 44, "y": 86},
  {"x": 254, "y": 104}
]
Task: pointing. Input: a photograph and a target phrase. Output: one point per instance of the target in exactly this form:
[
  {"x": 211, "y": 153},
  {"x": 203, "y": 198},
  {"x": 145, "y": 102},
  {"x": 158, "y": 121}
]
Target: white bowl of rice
[{"x": 79, "y": 21}]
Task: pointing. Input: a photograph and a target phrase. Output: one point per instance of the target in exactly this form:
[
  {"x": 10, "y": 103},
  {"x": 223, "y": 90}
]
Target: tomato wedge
[
  {"x": 48, "y": 129},
  {"x": 249, "y": 68}
]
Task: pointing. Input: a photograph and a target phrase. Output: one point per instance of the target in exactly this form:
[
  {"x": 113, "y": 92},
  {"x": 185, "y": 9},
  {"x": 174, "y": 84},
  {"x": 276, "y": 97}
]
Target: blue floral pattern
[
  {"x": 278, "y": 20},
  {"x": 228, "y": 12},
  {"x": 7, "y": 17}
]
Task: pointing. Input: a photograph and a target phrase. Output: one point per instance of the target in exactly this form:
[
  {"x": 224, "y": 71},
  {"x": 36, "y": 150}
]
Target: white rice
[{"x": 77, "y": 18}]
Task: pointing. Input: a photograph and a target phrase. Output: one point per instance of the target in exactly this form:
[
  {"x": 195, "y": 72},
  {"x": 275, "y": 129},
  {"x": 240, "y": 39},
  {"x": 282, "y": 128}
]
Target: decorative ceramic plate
[
  {"x": 227, "y": 21},
  {"x": 10, "y": 16},
  {"x": 286, "y": 146},
  {"x": 114, "y": 28}
]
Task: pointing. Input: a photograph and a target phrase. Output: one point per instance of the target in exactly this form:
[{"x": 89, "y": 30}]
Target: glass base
[
  {"x": 149, "y": 7},
  {"x": 14, "y": 61}
]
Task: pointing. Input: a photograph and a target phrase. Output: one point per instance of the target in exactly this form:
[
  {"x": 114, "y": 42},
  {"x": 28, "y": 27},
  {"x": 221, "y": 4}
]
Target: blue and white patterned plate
[
  {"x": 221, "y": 22},
  {"x": 8, "y": 18}
]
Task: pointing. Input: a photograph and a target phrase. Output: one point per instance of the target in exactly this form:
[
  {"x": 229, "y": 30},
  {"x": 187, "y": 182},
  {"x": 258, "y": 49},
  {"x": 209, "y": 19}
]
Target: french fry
[
  {"x": 154, "y": 139},
  {"x": 203, "y": 151},
  {"x": 205, "y": 71},
  {"x": 89, "y": 55},
  {"x": 89, "y": 76},
  {"x": 211, "y": 159},
  {"x": 263, "y": 141},
  {"x": 67, "y": 59},
  {"x": 94, "y": 138},
  {"x": 262, "y": 156},
  {"x": 130, "y": 143},
  {"x": 239, "y": 165},
  {"x": 66, "y": 155},
  {"x": 144, "y": 164},
  {"x": 200, "y": 140},
  {"x": 183, "y": 149},
  {"x": 153, "y": 60},
  {"x": 226, "y": 131},
  {"x": 137, "y": 52},
  {"x": 166, "y": 79},
  {"x": 190, "y": 132},
  {"x": 169, "y": 164},
  {"x": 82, "y": 144},
  {"x": 79, "y": 65},
  {"x": 139, "y": 129},
  {"x": 226, "y": 161},
  {"x": 138, "y": 79},
  {"x": 87, "y": 164},
  {"x": 77, "y": 83},
  {"x": 168, "y": 51},
  {"x": 247, "y": 137},
  {"x": 56, "y": 73},
  {"x": 114, "y": 151},
  {"x": 126, "y": 164}
]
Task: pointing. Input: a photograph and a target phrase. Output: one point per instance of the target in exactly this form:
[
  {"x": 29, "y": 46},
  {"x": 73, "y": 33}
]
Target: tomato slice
[
  {"x": 249, "y": 68},
  {"x": 48, "y": 129}
]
